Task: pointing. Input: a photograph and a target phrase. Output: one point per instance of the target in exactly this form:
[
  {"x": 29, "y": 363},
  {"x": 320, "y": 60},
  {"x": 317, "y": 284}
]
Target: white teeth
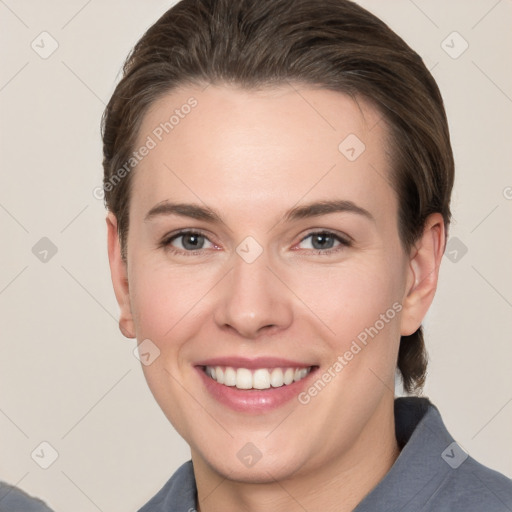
[
  {"x": 219, "y": 375},
  {"x": 229, "y": 377},
  {"x": 288, "y": 376},
  {"x": 262, "y": 378},
  {"x": 243, "y": 378},
  {"x": 299, "y": 374},
  {"x": 276, "y": 378}
]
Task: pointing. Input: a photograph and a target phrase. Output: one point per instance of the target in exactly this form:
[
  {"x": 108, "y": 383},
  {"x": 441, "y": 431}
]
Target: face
[{"x": 265, "y": 276}]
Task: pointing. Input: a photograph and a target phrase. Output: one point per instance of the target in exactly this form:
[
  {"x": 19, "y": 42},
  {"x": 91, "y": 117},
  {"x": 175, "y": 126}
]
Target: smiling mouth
[{"x": 258, "y": 378}]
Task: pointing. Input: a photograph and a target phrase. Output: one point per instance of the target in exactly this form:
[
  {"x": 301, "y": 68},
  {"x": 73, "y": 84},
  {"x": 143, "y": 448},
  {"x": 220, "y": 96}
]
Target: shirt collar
[{"x": 420, "y": 469}]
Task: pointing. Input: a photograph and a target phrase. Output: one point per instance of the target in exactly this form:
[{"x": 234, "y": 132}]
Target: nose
[{"x": 252, "y": 301}]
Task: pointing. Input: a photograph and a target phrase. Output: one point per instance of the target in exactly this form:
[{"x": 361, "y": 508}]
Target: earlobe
[
  {"x": 423, "y": 274},
  {"x": 118, "y": 272}
]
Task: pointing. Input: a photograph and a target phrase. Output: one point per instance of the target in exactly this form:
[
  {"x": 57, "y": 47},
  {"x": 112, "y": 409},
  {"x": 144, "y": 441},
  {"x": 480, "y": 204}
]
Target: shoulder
[
  {"x": 433, "y": 473},
  {"x": 473, "y": 487},
  {"x": 456, "y": 480},
  {"x": 177, "y": 495},
  {"x": 13, "y": 499}
]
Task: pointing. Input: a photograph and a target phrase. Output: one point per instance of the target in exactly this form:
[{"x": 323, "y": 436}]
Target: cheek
[
  {"x": 166, "y": 304},
  {"x": 348, "y": 299},
  {"x": 359, "y": 307},
  {"x": 165, "y": 300}
]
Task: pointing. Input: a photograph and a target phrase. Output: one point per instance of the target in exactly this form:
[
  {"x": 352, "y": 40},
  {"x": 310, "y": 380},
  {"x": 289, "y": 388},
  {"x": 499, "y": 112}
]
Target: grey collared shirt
[
  {"x": 431, "y": 474},
  {"x": 13, "y": 499}
]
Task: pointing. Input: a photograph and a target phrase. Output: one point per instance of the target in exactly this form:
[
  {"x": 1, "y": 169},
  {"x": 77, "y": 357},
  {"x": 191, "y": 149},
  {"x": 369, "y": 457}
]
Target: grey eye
[
  {"x": 323, "y": 241},
  {"x": 190, "y": 241}
]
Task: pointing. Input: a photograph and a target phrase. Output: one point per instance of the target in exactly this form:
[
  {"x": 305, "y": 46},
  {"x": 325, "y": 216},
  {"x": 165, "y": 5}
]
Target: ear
[
  {"x": 118, "y": 272},
  {"x": 422, "y": 275}
]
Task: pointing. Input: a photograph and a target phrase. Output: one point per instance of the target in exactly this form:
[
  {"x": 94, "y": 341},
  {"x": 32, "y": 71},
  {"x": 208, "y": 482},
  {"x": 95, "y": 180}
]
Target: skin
[{"x": 252, "y": 156}]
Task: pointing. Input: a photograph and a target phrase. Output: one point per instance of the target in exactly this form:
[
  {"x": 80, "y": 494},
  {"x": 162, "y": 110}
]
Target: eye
[
  {"x": 325, "y": 242},
  {"x": 187, "y": 242}
]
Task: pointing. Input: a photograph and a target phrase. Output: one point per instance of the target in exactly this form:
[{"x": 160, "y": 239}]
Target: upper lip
[{"x": 253, "y": 363}]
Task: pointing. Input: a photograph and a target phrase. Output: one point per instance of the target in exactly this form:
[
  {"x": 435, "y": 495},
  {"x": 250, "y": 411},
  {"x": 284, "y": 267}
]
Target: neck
[{"x": 338, "y": 485}]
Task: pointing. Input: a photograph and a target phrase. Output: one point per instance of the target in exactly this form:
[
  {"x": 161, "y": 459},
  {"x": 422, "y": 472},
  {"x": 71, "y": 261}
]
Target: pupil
[{"x": 320, "y": 240}]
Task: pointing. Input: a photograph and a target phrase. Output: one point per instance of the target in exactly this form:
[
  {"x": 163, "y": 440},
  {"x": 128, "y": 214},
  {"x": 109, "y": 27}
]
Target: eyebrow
[{"x": 207, "y": 214}]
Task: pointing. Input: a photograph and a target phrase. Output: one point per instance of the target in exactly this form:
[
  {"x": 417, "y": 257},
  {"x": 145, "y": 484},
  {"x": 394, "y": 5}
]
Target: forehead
[{"x": 261, "y": 149}]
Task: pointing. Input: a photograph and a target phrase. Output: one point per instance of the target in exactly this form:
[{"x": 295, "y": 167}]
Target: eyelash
[{"x": 344, "y": 243}]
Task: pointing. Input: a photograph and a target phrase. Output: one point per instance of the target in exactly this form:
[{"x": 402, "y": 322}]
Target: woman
[{"x": 278, "y": 177}]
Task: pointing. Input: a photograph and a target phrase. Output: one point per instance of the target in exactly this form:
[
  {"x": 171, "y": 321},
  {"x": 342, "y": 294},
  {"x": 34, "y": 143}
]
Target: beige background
[{"x": 69, "y": 378}]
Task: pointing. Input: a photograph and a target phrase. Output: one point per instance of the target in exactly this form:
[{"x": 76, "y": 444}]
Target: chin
[
  {"x": 251, "y": 465},
  {"x": 262, "y": 472}
]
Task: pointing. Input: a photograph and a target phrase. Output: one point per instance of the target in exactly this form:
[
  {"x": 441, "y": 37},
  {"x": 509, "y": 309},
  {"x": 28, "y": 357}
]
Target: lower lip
[{"x": 253, "y": 400}]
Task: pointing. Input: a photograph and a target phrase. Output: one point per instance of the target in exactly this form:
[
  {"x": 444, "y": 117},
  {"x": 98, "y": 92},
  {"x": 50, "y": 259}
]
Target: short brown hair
[{"x": 332, "y": 44}]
